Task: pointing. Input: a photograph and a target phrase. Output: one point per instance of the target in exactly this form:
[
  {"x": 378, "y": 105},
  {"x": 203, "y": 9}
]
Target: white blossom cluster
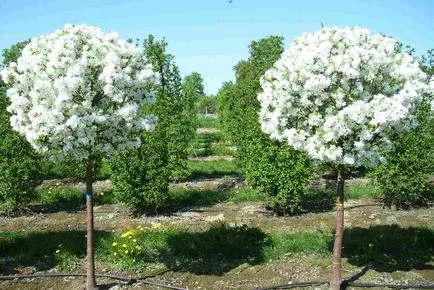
[
  {"x": 337, "y": 94},
  {"x": 79, "y": 90}
]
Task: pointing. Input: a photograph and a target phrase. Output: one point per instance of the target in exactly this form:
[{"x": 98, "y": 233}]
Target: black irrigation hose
[
  {"x": 115, "y": 277},
  {"x": 289, "y": 286},
  {"x": 354, "y": 284},
  {"x": 393, "y": 286}
]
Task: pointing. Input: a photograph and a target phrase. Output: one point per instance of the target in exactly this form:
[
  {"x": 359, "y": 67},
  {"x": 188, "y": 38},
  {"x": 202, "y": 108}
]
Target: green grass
[
  {"x": 207, "y": 122},
  {"x": 192, "y": 197},
  {"x": 203, "y": 142},
  {"x": 358, "y": 190},
  {"x": 206, "y": 144},
  {"x": 216, "y": 249},
  {"x": 60, "y": 197},
  {"x": 245, "y": 194},
  {"x": 213, "y": 168}
]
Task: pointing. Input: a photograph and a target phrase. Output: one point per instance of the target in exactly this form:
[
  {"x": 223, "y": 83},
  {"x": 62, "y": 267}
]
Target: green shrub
[
  {"x": 19, "y": 172},
  {"x": 281, "y": 173},
  {"x": 140, "y": 177},
  {"x": 403, "y": 180}
]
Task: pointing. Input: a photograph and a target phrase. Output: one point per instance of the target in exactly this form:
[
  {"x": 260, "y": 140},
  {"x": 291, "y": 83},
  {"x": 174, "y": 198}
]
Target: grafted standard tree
[
  {"x": 79, "y": 92},
  {"x": 338, "y": 95}
]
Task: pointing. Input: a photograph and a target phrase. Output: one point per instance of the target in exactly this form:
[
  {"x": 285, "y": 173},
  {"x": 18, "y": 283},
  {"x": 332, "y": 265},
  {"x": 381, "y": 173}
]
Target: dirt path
[
  {"x": 359, "y": 213},
  {"x": 212, "y": 158}
]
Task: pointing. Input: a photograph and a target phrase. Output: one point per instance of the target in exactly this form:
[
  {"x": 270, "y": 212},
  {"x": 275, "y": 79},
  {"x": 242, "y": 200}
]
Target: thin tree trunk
[
  {"x": 336, "y": 279},
  {"x": 90, "y": 279}
]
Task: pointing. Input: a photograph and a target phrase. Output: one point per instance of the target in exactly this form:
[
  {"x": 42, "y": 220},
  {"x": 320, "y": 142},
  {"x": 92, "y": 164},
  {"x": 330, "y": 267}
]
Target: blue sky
[{"x": 211, "y": 36}]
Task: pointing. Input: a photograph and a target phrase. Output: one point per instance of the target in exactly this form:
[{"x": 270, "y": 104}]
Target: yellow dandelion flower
[
  {"x": 124, "y": 245},
  {"x": 138, "y": 247},
  {"x": 156, "y": 226},
  {"x": 134, "y": 240},
  {"x": 57, "y": 183},
  {"x": 114, "y": 244},
  {"x": 126, "y": 252},
  {"x": 115, "y": 254},
  {"x": 58, "y": 251},
  {"x": 101, "y": 193}
]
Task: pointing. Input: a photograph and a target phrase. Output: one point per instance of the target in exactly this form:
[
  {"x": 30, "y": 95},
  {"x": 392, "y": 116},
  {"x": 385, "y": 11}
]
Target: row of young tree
[
  {"x": 285, "y": 175},
  {"x": 140, "y": 175}
]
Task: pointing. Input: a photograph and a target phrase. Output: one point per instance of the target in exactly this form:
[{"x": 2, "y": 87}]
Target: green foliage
[
  {"x": 403, "y": 180},
  {"x": 193, "y": 85},
  {"x": 215, "y": 168},
  {"x": 207, "y": 122},
  {"x": 61, "y": 196},
  {"x": 280, "y": 172},
  {"x": 19, "y": 164},
  {"x": 175, "y": 107},
  {"x": 12, "y": 53},
  {"x": 19, "y": 171},
  {"x": 206, "y": 105},
  {"x": 141, "y": 176}
]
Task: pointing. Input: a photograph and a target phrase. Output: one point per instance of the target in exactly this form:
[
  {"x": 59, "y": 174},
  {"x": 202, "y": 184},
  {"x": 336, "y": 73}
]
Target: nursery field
[
  {"x": 215, "y": 233},
  {"x": 311, "y": 169}
]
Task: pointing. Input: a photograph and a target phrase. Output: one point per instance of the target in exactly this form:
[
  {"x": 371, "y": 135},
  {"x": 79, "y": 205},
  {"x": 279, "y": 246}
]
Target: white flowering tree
[
  {"x": 337, "y": 94},
  {"x": 78, "y": 92}
]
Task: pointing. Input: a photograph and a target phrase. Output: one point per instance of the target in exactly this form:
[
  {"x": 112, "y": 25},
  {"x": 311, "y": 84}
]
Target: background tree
[
  {"x": 206, "y": 105},
  {"x": 193, "y": 84},
  {"x": 338, "y": 95},
  {"x": 78, "y": 92},
  {"x": 280, "y": 172},
  {"x": 141, "y": 176},
  {"x": 19, "y": 163}
]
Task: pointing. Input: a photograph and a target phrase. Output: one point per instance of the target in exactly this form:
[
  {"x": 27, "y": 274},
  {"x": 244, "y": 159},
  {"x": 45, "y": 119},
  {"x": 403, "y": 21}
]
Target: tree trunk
[
  {"x": 336, "y": 279},
  {"x": 90, "y": 279}
]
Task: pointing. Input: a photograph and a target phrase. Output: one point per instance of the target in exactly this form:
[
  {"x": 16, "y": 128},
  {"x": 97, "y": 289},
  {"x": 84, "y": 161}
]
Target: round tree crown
[
  {"x": 337, "y": 94},
  {"x": 79, "y": 90}
]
